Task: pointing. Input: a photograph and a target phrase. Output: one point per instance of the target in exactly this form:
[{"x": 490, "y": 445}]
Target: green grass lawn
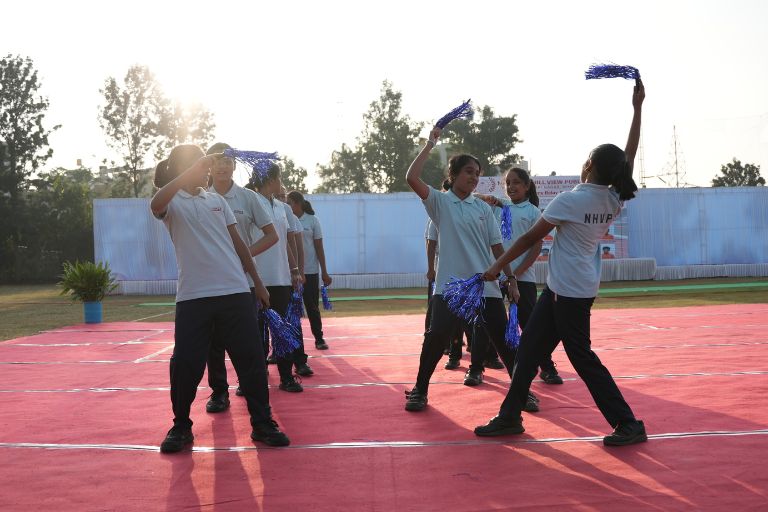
[{"x": 30, "y": 309}]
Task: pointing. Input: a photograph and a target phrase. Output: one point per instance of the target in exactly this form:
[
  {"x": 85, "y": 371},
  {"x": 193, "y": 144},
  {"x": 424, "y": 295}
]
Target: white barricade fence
[{"x": 377, "y": 240}]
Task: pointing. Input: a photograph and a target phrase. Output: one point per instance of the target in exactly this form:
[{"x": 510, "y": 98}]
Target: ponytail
[
  {"x": 623, "y": 183},
  {"x": 297, "y": 197},
  {"x": 610, "y": 165},
  {"x": 533, "y": 197},
  {"x": 161, "y": 174}
]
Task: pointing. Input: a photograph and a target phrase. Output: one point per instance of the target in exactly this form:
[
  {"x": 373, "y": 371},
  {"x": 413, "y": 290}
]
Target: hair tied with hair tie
[
  {"x": 611, "y": 70},
  {"x": 259, "y": 161},
  {"x": 463, "y": 111}
]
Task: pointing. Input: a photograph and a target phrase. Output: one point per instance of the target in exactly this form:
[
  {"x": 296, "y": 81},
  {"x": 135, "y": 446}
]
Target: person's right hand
[
  {"x": 197, "y": 174},
  {"x": 430, "y": 275},
  {"x": 262, "y": 295},
  {"x": 434, "y": 134},
  {"x": 638, "y": 94}
]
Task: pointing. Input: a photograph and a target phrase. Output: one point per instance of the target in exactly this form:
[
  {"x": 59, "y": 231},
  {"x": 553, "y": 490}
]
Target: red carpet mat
[{"x": 84, "y": 409}]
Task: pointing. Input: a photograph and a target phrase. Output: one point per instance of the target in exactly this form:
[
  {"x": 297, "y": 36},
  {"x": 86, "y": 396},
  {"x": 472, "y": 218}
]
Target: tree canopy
[
  {"x": 23, "y": 138},
  {"x": 734, "y": 174},
  {"x": 389, "y": 141}
]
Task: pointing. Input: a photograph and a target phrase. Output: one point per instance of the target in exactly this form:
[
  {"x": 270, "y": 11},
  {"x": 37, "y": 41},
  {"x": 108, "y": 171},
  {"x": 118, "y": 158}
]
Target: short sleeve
[
  {"x": 431, "y": 233},
  {"x": 317, "y": 230},
  {"x": 432, "y": 204},
  {"x": 259, "y": 214},
  {"x": 294, "y": 225},
  {"x": 558, "y": 210}
]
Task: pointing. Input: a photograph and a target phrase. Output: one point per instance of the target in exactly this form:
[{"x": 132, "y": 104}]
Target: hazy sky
[{"x": 296, "y": 77}]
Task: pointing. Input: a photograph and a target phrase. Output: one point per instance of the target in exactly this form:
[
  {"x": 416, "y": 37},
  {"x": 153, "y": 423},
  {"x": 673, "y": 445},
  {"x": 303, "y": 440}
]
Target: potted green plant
[{"x": 89, "y": 283}]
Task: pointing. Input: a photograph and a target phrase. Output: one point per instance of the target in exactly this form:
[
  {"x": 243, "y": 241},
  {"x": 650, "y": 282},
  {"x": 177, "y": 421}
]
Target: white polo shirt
[
  {"x": 466, "y": 231},
  {"x": 205, "y": 255},
  {"x": 311, "y": 231},
  {"x": 582, "y": 217},
  {"x": 250, "y": 214},
  {"x": 524, "y": 216},
  {"x": 294, "y": 225},
  {"x": 272, "y": 264}
]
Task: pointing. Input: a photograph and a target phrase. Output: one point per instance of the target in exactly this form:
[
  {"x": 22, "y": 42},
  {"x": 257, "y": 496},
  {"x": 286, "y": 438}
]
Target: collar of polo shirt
[{"x": 469, "y": 199}]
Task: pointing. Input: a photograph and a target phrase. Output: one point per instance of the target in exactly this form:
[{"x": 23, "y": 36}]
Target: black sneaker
[
  {"x": 498, "y": 426},
  {"x": 473, "y": 377},
  {"x": 550, "y": 376},
  {"x": 218, "y": 402},
  {"x": 494, "y": 364},
  {"x": 531, "y": 403},
  {"x": 415, "y": 400},
  {"x": 176, "y": 439},
  {"x": 269, "y": 433},
  {"x": 239, "y": 392},
  {"x": 304, "y": 370},
  {"x": 271, "y": 359},
  {"x": 453, "y": 363},
  {"x": 626, "y": 433},
  {"x": 321, "y": 345},
  {"x": 291, "y": 385}
]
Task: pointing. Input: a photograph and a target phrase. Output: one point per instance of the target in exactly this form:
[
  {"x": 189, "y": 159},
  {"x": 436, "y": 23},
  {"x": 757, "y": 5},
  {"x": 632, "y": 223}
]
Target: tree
[
  {"x": 23, "y": 139},
  {"x": 53, "y": 222},
  {"x": 139, "y": 121},
  {"x": 490, "y": 138},
  {"x": 344, "y": 173},
  {"x": 293, "y": 177},
  {"x": 734, "y": 174},
  {"x": 131, "y": 119},
  {"x": 388, "y": 141},
  {"x": 182, "y": 123},
  {"x": 383, "y": 152}
]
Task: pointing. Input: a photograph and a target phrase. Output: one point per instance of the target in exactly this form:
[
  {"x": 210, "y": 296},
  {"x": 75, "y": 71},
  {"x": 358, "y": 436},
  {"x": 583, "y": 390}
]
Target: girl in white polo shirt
[
  {"x": 524, "y": 205},
  {"x": 314, "y": 263},
  {"x": 581, "y": 217},
  {"x": 467, "y": 234},
  {"x": 251, "y": 218},
  {"x": 202, "y": 228},
  {"x": 279, "y": 271}
]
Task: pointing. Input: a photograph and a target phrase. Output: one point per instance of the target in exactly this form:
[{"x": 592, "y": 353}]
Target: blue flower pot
[{"x": 92, "y": 312}]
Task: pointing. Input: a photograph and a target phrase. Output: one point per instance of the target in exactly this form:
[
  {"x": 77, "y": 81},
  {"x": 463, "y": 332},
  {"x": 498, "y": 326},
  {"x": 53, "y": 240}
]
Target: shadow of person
[{"x": 182, "y": 493}]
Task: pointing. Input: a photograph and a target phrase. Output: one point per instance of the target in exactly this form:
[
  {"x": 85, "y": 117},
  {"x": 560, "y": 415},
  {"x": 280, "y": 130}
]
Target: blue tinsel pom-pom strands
[
  {"x": 326, "y": 300},
  {"x": 463, "y": 111},
  {"x": 295, "y": 308},
  {"x": 285, "y": 338},
  {"x": 611, "y": 71},
  {"x": 512, "y": 334},
  {"x": 506, "y": 222},
  {"x": 464, "y": 297},
  {"x": 259, "y": 161}
]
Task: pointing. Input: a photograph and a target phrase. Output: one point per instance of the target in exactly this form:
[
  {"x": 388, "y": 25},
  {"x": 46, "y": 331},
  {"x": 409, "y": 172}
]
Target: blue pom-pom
[
  {"x": 260, "y": 162},
  {"x": 611, "y": 71},
  {"x": 506, "y": 222},
  {"x": 463, "y": 111},
  {"x": 464, "y": 297},
  {"x": 285, "y": 337},
  {"x": 326, "y": 300},
  {"x": 512, "y": 334},
  {"x": 295, "y": 308}
]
